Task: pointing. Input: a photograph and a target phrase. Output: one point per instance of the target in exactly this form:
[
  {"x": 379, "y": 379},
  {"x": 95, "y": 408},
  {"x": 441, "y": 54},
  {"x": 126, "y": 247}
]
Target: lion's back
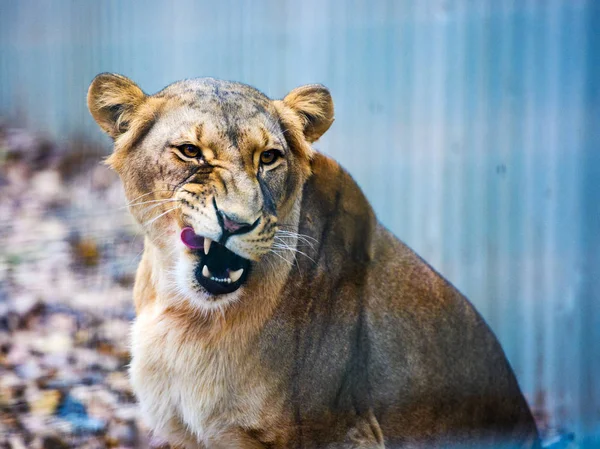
[
  {"x": 436, "y": 369},
  {"x": 373, "y": 328}
]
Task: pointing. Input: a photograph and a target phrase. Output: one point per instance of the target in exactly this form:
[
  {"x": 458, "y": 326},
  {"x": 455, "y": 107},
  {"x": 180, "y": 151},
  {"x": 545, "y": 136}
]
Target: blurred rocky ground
[{"x": 68, "y": 254}]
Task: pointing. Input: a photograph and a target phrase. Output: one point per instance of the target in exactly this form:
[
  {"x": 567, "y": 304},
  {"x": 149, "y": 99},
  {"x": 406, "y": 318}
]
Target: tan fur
[
  {"x": 314, "y": 108},
  {"x": 354, "y": 342}
]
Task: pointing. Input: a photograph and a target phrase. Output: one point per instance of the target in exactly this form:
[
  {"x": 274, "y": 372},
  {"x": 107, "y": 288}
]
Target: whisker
[
  {"x": 150, "y": 193},
  {"x": 156, "y": 218},
  {"x": 295, "y": 234},
  {"x": 271, "y": 264},
  {"x": 142, "y": 196},
  {"x": 287, "y": 248},
  {"x": 293, "y": 250},
  {"x": 132, "y": 261},
  {"x": 149, "y": 209},
  {"x": 162, "y": 234},
  {"x": 281, "y": 257},
  {"x": 149, "y": 202},
  {"x": 301, "y": 238},
  {"x": 285, "y": 233}
]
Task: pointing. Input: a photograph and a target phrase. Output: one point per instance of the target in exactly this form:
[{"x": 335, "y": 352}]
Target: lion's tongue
[{"x": 191, "y": 239}]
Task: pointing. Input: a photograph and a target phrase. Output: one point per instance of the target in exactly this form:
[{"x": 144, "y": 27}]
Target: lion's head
[{"x": 213, "y": 171}]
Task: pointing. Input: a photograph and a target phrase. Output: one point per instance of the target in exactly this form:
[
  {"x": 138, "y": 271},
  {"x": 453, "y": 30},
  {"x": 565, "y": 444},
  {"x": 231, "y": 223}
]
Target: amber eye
[
  {"x": 190, "y": 151},
  {"x": 269, "y": 157}
]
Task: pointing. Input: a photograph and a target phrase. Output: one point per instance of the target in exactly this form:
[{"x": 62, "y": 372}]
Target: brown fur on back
[
  {"x": 380, "y": 332},
  {"x": 353, "y": 343}
]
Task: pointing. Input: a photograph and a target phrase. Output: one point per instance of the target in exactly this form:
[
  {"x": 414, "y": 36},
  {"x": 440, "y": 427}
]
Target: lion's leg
[
  {"x": 234, "y": 439},
  {"x": 175, "y": 433},
  {"x": 366, "y": 434}
]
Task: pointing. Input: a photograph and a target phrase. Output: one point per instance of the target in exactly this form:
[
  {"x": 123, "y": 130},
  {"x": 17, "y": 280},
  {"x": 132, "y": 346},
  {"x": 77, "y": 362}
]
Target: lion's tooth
[
  {"x": 207, "y": 243},
  {"x": 236, "y": 275},
  {"x": 205, "y": 271}
]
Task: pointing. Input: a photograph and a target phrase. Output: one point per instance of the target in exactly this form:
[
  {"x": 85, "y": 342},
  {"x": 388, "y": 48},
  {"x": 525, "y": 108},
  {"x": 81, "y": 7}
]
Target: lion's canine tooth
[
  {"x": 205, "y": 271},
  {"x": 207, "y": 243},
  {"x": 236, "y": 275}
]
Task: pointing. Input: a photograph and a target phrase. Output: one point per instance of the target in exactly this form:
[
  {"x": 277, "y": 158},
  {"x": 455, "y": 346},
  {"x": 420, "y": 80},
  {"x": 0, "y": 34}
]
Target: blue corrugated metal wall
[{"x": 470, "y": 124}]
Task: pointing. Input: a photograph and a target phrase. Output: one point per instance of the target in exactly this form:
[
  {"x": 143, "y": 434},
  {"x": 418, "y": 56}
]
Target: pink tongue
[{"x": 190, "y": 239}]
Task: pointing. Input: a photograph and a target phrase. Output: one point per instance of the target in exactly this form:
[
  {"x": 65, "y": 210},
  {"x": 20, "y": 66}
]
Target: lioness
[{"x": 273, "y": 310}]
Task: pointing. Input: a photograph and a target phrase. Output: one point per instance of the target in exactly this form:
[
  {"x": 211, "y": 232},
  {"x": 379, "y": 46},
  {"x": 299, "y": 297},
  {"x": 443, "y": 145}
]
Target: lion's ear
[
  {"x": 112, "y": 99},
  {"x": 314, "y": 106}
]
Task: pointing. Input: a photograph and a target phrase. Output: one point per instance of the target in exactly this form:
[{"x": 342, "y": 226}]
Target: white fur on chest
[{"x": 185, "y": 387}]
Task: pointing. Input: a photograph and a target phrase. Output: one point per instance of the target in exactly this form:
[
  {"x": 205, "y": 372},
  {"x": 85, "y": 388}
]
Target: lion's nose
[{"x": 233, "y": 226}]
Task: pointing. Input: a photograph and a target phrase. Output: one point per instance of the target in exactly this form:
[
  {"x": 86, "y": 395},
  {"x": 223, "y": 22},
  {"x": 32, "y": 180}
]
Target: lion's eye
[
  {"x": 269, "y": 157},
  {"x": 189, "y": 150}
]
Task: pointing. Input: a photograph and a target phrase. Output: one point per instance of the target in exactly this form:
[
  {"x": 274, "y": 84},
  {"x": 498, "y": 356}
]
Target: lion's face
[{"x": 212, "y": 171}]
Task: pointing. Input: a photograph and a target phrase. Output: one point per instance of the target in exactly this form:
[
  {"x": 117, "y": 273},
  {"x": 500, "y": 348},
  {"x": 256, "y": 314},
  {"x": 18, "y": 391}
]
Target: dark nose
[
  {"x": 234, "y": 227},
  {"x": 231, "y": 226}
]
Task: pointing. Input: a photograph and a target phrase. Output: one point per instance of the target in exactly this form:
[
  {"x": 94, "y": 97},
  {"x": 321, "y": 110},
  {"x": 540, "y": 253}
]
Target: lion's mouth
[{"x": 219, "y": 270}]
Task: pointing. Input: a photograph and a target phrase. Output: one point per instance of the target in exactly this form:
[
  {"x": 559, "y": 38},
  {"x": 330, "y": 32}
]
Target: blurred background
[{"x": 472, "y": 126}]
